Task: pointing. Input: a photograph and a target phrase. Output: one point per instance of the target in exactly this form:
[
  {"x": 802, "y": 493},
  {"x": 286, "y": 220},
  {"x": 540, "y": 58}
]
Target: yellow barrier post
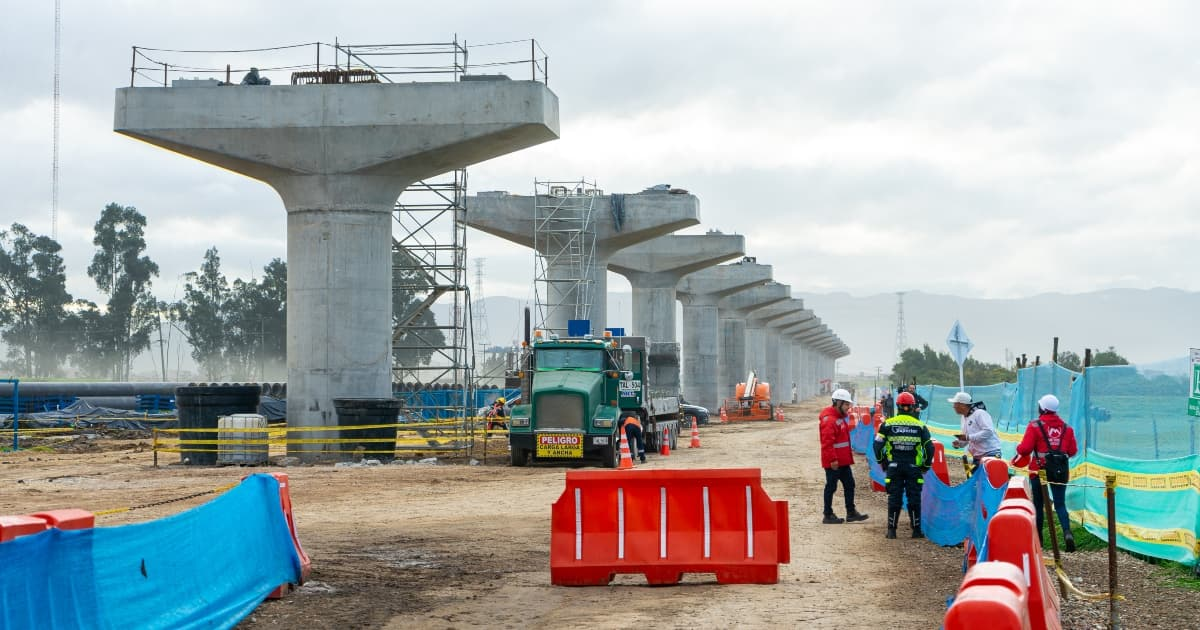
[{"x": 1110, "y": 489}]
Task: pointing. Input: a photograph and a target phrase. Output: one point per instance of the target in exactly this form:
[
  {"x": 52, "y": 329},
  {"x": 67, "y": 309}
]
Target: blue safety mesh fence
[
  {"x": 1127, "y": 423},
  {"x": 207, "y": 567}
]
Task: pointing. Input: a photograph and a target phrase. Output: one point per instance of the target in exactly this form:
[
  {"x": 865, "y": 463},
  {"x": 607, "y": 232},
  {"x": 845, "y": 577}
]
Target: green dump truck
[{"x": 574, "y": 392}]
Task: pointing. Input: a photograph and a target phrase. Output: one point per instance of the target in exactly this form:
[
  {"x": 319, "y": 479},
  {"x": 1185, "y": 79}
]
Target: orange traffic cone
[
  {"x": 695, "y": 435},
  {"x": 779, "y": 415},
  {"x": 666, "y": 443},
  {"x": 626, "y": 458},
  {"x": 724, "y": 417}
]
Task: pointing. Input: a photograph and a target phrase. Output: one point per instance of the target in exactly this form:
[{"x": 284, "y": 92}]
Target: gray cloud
[{"x": 987, "y": 149}]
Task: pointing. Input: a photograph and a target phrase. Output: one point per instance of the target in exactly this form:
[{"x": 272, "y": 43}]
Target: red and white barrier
[{"x": 664, "y": 523}]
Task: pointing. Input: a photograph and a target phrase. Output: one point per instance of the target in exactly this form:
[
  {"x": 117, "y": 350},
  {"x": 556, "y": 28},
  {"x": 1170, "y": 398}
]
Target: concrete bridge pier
[
  {"x": 700, "y": 293},
  {"x": 339, "y": 155},
  {"x": 655, "y": 267}
]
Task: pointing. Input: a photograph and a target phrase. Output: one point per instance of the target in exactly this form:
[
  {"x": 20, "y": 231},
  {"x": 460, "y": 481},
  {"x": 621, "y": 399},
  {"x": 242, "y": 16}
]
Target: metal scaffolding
[
  {"x": 432, "y": 300},
  {"x": 564, "y": 244}
]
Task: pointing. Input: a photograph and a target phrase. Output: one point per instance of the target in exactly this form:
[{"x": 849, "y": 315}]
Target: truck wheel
[
  {"x": 519, "y": 456},
  {"x": 674, "y": 439},
  {"x": 611, "y": 455}
]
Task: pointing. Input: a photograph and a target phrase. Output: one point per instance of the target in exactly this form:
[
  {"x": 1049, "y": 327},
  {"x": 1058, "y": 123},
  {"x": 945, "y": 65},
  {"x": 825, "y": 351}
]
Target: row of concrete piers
[
  {"x": 339, "y": 155},
  {"x": 735, "y": 316}
]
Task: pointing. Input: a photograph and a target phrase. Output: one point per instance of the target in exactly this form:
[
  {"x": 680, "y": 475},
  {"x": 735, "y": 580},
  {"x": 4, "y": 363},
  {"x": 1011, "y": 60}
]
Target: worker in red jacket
[
  {"x": 1048, "y": 436},
  {"x": 837, "y": 458}
]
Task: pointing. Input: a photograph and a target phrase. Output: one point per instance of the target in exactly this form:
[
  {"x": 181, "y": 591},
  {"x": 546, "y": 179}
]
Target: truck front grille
[{"x": 559, "y": 411}]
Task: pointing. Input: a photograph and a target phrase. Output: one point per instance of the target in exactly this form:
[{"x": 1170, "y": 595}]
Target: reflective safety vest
[
  {"x": 904, "y": 439},
  {"x": 631, "y": 420}
]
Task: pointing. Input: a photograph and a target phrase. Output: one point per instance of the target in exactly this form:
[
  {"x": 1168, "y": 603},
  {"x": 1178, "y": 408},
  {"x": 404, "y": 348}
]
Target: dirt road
[{"x": 455, "y": 546}]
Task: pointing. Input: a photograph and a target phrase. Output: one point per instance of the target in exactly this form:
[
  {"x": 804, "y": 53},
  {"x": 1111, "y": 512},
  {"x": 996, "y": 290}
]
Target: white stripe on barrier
[
  {"x": 662, "y": 522},
  {"x": 578, "y": 527},
  {"x": 1025, "y": 566},
  {"x": 707, "y": 527},
  {"x": 749, "y": 525},
  {"x": 620, "y": 523}
]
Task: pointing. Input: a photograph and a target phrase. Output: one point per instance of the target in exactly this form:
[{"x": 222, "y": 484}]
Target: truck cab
[{"x": 574, "y": 393}]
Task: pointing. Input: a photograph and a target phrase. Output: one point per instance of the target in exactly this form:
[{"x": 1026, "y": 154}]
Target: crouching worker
[
  {"x": 837, "y": 458},
  {"x": 904, "y": 449},
  {"x": 632, "y": 427}
]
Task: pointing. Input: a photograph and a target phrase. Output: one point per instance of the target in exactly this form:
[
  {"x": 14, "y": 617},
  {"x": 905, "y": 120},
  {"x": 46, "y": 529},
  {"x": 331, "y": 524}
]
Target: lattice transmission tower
[{"x": 901, "y": 340}]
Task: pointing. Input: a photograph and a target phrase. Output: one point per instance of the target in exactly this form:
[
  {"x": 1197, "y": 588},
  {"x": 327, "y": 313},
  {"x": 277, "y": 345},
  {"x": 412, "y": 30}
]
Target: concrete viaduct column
[
  {"x": 655, "y": 267},
  {"x": 700, "y": 292},
  {"x": 339, "y": 156},
  {"x": 733, "y": 339},
  {"x": 811, "y": 363},
  {"x": 647, "y": 215},
  {"x": 777, "y": 336},
  {"x": 763, "y": 342}
]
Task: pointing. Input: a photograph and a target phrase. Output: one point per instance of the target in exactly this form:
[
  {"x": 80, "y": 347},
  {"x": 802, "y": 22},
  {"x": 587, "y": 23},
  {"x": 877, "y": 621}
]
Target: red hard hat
[{"x": 905, "y": 398}]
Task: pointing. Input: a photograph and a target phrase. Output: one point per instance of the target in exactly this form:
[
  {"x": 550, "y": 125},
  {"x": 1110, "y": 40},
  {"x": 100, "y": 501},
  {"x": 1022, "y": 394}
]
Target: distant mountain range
[{"x": 1150, "y": 327}]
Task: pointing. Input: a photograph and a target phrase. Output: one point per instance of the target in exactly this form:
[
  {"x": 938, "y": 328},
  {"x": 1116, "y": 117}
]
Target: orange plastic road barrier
[
  {"x": 970, "y": 553},
  {"x": 626, "y": 456},
  {"x": 14, "y": 526},
  {"x": 664, "y": 523},
  {"x": 1013, "y": 538},
  {"x": 285, "y": 502},
  {"x": 67, "y": 518},
  {"x": 778, "y": 414},
  {"x": 940, "y": 467},
  {"x": 1019, "y": 488},
  {"x": 992, "y": 595},
  {"x": 996, "y": 470},
  {"x": 695, "y": 435}
]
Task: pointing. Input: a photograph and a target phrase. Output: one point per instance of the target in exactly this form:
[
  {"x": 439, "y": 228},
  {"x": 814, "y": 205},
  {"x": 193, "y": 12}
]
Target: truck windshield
[{"x": 570, "y": 358}]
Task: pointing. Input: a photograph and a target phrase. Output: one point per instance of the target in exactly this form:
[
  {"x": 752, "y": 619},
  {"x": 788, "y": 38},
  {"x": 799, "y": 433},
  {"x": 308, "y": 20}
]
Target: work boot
[
  {"x": 914, "y": 519},
  {"x": 853, "y": 516},
  {"x": 1070, "y": 542},
  {"x": 891, "y": 532},
  {"x": 893, "y": 517},
  {"x": 832, "y": 519}
]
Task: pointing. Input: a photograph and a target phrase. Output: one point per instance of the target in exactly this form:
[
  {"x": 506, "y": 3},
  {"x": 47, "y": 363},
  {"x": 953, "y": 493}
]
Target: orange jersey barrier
[
  {"x": 992, "y": 595},
  {"x": 1013, "y": 538},
  {"x": 14, "y": 526},
  {"x": 939, "y": 465},
  {"x": 285, "y": 503},
  {"x": 1019, "y": 488},
  {"x": 67, "y": 518},
  {"x": 664, "y": 523}
]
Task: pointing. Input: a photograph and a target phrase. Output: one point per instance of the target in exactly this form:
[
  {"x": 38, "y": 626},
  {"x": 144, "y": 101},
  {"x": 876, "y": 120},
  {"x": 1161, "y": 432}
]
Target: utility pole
[{"x": 901, "y": 337}]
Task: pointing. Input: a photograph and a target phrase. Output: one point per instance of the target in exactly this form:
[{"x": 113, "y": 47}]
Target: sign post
[
  {"x": 960, "y": 346},
  {"x": 1193, "y": 407}
]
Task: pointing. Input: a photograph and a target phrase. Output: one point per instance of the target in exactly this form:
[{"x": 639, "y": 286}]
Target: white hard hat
[
  {"x": 841, "y": 394},
  {"x": 961, "y": 398},
  {"x": 1049, "y": 402}
]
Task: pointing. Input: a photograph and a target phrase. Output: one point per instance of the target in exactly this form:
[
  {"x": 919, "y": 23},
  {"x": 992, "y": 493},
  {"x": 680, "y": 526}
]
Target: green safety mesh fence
[{"x": 1129, "y": 424}]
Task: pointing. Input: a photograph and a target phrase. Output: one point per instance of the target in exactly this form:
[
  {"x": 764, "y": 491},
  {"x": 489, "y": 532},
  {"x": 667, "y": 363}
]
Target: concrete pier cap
[
  {"x": 700, "y": 292},
  {"x": 647, "y": 215},
  {"x": 339, "y": 155},
  {"x": 655, "y": 267},
  {"x": 803, "y": 321}
]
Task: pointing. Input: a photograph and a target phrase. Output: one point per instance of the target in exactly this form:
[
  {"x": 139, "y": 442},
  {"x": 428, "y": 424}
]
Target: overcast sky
[{"x": 983, "y": 149}]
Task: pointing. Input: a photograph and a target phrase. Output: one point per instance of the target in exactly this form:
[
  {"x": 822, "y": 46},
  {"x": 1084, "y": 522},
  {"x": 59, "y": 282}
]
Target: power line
[{"x": 54, "y": 159}]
